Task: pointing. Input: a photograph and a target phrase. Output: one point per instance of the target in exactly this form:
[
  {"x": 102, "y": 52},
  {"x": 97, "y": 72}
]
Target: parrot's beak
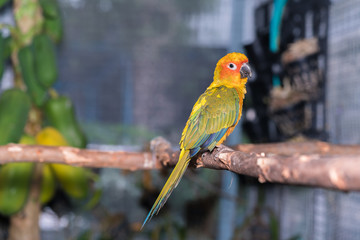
[{"x": 245, "y": 71}]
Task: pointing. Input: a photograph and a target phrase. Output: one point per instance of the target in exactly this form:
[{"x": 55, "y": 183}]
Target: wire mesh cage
[
  {"x": 343, "y": 104},
  {"x": 343, "y": 73},
  {"x": 294, "y": 119}
]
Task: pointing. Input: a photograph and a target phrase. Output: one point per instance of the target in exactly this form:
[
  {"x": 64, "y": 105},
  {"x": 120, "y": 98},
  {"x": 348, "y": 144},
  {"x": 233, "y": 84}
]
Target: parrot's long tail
[{"x": 170, "y": 184}]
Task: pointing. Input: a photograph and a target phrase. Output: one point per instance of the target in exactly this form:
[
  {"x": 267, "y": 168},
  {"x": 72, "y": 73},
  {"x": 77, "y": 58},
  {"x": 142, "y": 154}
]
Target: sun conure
[{"x": 213, "y": 118}]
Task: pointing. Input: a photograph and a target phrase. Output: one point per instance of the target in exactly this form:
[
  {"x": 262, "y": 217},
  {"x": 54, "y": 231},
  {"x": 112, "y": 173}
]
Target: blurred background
[{"x": 133, "y": 70}]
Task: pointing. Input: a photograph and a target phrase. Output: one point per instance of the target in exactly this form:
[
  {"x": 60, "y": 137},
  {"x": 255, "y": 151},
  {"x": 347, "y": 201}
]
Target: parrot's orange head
[{"x": 232, "y": 70}]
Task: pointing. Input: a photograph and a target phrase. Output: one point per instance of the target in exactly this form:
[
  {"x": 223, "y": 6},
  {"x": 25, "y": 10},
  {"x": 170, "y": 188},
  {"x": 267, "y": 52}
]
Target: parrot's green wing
[{"x": 215, "y": 111}]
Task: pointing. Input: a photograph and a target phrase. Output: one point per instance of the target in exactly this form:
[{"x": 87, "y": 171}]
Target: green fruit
[
  {"x": 27, "y": 65},
  {"x": 15, "y": 179},
  {"x": 61, "y": 115},
  {"x": 73, "y": 180},
  {"x": 48, "y": 184},
  {"x": 45, "y": 60},
  {"x": 14, "y": 109}
]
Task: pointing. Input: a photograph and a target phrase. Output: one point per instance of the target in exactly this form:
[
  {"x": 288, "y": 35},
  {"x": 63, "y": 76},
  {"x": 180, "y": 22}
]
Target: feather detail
[{"x": 170, "y": 184}]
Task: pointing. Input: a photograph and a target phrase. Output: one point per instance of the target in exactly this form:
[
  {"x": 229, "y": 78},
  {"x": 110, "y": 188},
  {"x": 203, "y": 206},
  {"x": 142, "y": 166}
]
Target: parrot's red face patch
[{"x": 231, "y": 70}]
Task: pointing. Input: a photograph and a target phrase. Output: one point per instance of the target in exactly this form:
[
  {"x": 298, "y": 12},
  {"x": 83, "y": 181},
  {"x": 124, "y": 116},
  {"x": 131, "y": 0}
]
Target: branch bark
[
  {"x": 318, "y": 164},
  {"x": 78, "y": 157}
]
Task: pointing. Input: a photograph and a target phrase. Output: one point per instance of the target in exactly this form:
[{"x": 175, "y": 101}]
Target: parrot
[{"x": 212, "y": 119}]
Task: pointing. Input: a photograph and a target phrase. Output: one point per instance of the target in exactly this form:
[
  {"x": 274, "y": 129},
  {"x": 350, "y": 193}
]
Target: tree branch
[
  {"x": 315, "y": 163},
  {"x": 78, "y": 157}
]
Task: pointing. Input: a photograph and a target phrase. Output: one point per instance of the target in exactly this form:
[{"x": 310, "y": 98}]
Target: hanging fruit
[
  {"x": 27, "y": 66},
  {"x": 61, "y": 114},
  {"x": 15, "y": 179},
  {"x": 45, "y": 60},
  {"x": 14, "y": 109}
]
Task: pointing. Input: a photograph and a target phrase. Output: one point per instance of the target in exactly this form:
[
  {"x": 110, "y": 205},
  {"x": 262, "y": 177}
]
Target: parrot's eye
[{"x": 232, "y": 66}]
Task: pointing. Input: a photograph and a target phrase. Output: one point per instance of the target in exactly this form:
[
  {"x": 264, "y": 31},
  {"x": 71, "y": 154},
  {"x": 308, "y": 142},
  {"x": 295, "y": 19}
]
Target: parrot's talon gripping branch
[{"x": 222, "y": 157}]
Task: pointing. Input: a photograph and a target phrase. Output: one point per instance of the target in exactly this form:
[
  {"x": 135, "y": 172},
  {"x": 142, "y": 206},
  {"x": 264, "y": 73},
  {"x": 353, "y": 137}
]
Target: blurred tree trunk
[{"x": 24, "y": 225}]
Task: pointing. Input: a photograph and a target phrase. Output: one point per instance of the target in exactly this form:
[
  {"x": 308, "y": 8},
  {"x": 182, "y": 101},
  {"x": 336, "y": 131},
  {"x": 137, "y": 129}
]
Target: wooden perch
[{"x": 317, "y": 164}]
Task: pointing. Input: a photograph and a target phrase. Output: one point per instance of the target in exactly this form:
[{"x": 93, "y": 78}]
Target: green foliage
[
  {"x": 54, "y": 29},
  {"x": 5, "y": 50},
  {"x": 8, "y": 41},
  {"x": 3, "y": 2},
  {"x": 50, "y": 9}
]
